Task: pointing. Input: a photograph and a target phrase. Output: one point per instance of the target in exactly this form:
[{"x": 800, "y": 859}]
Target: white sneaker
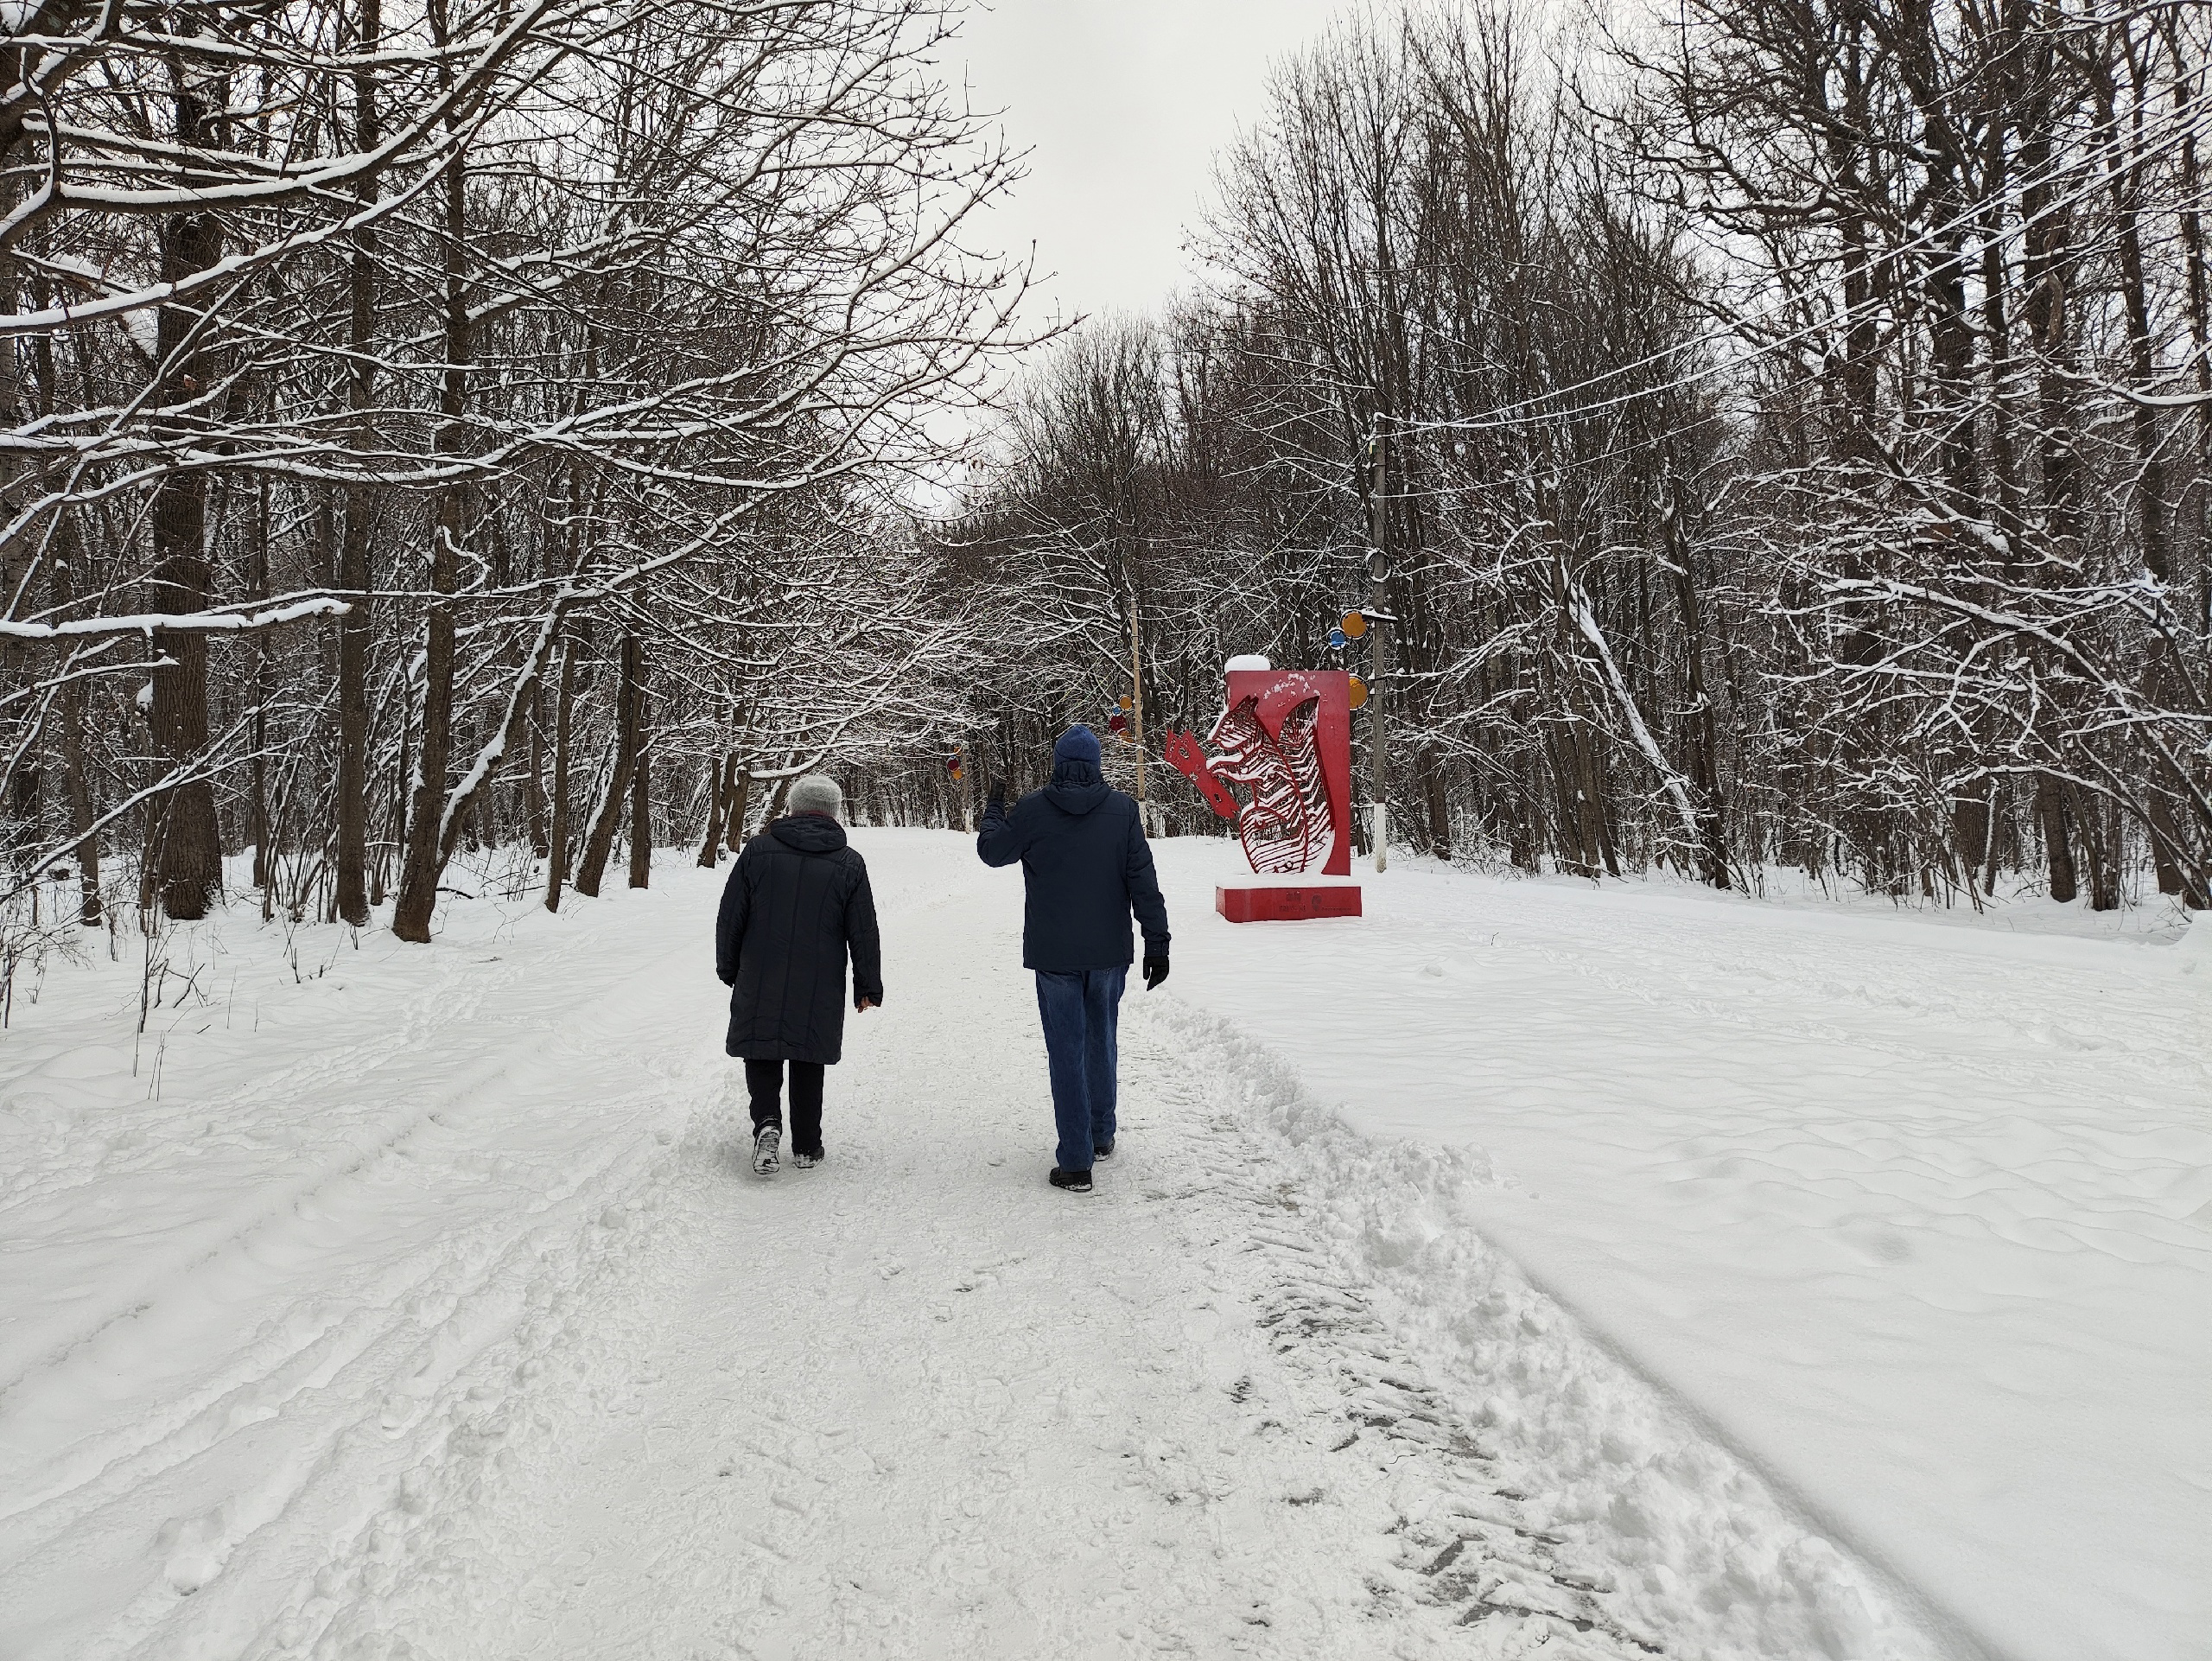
[{"x": 767, "y": 1142}]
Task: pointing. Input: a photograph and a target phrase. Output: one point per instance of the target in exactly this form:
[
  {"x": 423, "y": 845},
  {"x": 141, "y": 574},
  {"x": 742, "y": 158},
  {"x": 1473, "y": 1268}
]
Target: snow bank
[
  {"x": 1915, "y": 1214},
  {"x": 1601, "y": 1458}
]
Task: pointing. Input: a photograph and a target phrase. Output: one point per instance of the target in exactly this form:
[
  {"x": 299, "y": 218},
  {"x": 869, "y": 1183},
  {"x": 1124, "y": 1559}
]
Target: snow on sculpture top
[{"x": 1285, "y": 735}]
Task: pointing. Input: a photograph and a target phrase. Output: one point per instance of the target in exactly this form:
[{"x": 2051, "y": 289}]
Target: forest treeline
[
  {"x": 435, "y": 424},
  {"x": 1765, "y": 433},
  {"x": 1778, "y": 432}
]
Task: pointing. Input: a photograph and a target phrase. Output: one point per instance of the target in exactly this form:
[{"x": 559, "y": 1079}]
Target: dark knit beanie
[{"x": 1078, "y": 743}]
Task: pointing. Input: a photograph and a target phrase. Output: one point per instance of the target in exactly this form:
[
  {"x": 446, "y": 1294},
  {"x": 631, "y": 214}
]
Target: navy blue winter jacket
[{"x": 1085, "y": 866}]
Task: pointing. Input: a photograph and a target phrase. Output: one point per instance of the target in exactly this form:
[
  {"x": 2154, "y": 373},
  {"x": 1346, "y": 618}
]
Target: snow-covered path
[{"x": 437, "y": 1317}]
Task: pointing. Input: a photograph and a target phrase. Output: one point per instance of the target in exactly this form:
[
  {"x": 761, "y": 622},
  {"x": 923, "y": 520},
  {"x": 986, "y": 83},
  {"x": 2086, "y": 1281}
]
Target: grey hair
[{"x": 817, "y": 794}]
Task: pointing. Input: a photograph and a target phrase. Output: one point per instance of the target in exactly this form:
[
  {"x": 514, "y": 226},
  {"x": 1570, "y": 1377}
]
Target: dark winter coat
[
  {"x": 1085, "y": 866},
  {"x": 796, "y": 904}
]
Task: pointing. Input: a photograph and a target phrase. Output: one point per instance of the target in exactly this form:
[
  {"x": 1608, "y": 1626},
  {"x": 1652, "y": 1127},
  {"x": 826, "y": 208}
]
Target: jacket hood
[
  {"x": 1070, "y": 796},
  {"x": 809, "y": 833}
]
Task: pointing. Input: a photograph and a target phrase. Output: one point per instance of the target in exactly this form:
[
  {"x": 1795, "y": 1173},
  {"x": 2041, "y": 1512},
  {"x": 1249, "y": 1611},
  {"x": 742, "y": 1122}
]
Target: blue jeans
[{"x": 1081, "y": 1011}]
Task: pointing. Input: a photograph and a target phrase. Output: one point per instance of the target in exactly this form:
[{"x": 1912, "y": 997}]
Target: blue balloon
[{"x": 1338, "y": 640}]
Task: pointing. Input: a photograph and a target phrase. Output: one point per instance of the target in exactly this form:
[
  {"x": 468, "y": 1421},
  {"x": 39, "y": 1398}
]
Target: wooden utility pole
[{"x": 1381, "y": 644}]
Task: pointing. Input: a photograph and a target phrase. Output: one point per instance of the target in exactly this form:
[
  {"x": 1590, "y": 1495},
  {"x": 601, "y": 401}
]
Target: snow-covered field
[
  {"x": 1917, "y": 1210},
  {"x": 1521, "y": 1267}
]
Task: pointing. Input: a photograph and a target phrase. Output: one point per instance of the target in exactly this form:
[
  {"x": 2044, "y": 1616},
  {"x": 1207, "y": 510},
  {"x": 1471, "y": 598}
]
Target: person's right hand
[{"x": 997, "y": 795}]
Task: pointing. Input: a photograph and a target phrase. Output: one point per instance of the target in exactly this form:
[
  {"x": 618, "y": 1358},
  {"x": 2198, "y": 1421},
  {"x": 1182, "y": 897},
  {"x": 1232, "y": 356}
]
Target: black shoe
[
  {"x": 1073, "y": 1181},
  {"x": 1105, "y": 1150}
]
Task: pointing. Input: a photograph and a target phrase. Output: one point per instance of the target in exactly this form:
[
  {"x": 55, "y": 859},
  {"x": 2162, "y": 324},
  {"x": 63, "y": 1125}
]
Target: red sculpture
[{"x": 1285, "y": 735}]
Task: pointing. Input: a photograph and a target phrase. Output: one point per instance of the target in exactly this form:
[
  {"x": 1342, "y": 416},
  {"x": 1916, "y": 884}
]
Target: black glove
[
  {"x": 1155, "y": 970},
  {"x": 997, "y": 795}
]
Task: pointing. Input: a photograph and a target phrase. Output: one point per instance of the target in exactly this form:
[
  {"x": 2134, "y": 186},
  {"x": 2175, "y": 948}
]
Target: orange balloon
[
  {"x": 1357, "y": 692},
  {"x": 1354, "y": 624}
]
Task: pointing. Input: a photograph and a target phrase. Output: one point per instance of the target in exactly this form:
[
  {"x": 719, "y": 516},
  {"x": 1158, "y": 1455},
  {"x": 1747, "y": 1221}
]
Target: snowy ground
[
  {"x": 416, "y": 1302},
  {"x": 1918, "y": 1213}
]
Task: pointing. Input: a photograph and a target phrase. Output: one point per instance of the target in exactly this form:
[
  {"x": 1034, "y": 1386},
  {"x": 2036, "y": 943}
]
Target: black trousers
[{"x": 765, "y": 1079}]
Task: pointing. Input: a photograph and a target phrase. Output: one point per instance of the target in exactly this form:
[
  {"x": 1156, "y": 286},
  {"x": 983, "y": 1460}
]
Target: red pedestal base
[{"x": 1284, "y": 905}]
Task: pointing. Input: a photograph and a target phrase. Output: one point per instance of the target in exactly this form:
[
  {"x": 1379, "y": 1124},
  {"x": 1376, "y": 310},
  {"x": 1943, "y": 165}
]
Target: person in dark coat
[
  {"x": 797, "y": 903},
  {"x": 1085, "y": 868}
]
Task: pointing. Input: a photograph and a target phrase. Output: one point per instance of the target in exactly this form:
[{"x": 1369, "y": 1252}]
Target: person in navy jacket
[{"x": 1086, "y": 868}]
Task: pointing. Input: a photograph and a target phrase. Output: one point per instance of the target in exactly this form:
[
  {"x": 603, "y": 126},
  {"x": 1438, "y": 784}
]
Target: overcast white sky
[{"x": 1122, "y": 104}]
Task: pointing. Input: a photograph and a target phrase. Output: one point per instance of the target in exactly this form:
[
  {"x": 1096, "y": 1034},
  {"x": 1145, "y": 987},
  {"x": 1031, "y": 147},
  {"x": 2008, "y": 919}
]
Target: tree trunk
[
  {"x": 76, "y": 779},
  {"x": 1380, "y": 642},
  {"x": 2105, "y": 838},
  {"x": 538, "y": 843},
  {"x": 2004, "y": 832},
  {"x": 2125, "y": 182},
  {"x": 265, "y": 865},
  {"x": 2048, "y": 250},
  {"x": 556, "y": 835},
  {"x": 641, "y": 807},
  {"x": 423, "y": 866},
  {"x": 2199, "y": 285},
  {"x": 1971, "y": 830},
  {"x": 1704, "y": 770},
  {"x": 718, "y": 794},
  {"x": 592, "y": 869},
  {"x": 353, "y": 805},
  {"x": 403, "y": 770},
  {"x": 1440, "y": 804},
  {"x": 2058, "y": 852},
  {"x": 1590, "y": 801},
  {"x": 187, "y": 844},
  {"x": 1573, "y": 857},
  {"x": 426, "y": 839},
  {"x": 740, "y": 802}
]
